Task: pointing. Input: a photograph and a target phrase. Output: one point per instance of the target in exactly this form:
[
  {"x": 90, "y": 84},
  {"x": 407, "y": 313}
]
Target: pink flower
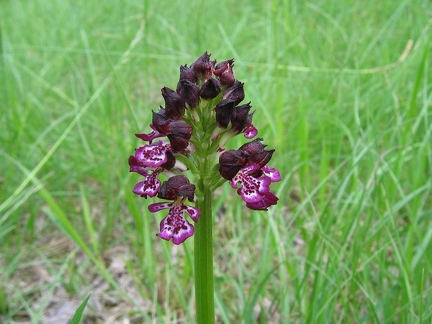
[
  {"x": 255, "y": 191},
  {"x": 174, "y": 226},
  {"x": 149, "y": 161},
  {"x": 248, "y": 172}
]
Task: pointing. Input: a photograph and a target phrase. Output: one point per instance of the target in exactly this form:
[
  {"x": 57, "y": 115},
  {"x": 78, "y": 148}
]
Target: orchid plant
[{"x": 187, "y": 141}]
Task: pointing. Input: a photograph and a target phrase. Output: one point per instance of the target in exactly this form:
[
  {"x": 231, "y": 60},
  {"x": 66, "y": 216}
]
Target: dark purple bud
[
  {"x": 160, "y": 122},
  {"x": 210, "y": 89},
  {"x": 186, "y": 73},
  {"x": 174, "y": 104},
  {"x": 178, "y": 143},
  {"x": 230, "y": 163},
  {"x": 223, "y": 111},
  {"x": 177, "y": 186},
  {"x": 180, "y": 135},
  {"x": 178, "y": 132},
  {"x": 235, "y": 92},
  {"x": 203, "y": 67},
  {"x": 171, "y": 161},
  {"x": 239, "y": 117},
  {"x": 189, "y": 92},
  {"x": 257, "y": 153},
  {"x": 225, "y": 73}
]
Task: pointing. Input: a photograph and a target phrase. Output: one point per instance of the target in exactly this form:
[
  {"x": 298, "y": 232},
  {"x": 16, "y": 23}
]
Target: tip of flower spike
[{"x": 203, "y": 67}]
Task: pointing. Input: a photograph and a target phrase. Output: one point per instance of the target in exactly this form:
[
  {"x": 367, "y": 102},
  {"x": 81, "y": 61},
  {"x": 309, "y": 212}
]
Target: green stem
[{"x": 204, "y": 288}]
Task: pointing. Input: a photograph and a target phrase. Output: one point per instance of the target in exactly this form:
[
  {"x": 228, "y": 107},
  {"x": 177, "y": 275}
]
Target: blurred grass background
[{"x": 342, "y": 91}]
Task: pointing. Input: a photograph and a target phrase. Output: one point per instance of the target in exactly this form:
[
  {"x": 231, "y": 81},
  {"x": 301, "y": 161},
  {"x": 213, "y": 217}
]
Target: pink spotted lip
[
  {"x": 174, "y": 226},
  {"x": 152, "y": 155}
]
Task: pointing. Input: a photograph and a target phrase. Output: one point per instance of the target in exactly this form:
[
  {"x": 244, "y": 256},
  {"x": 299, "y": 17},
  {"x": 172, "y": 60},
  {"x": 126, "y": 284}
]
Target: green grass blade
[{"x": 76, "y": 319}]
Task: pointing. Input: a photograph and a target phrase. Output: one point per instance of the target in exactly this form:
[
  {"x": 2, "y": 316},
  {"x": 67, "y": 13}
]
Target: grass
[{"x": 341, "y": 91}]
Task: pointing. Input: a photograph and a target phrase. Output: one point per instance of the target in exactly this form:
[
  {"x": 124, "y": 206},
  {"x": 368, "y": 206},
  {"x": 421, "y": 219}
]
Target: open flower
[
  {"x": 151, "y": 184},
  {"x": 155, "y": 155},
  {"x": 255, "y": 191},
  {"x": 248, "y": 168},
  {"x": 174, "y": 225}
]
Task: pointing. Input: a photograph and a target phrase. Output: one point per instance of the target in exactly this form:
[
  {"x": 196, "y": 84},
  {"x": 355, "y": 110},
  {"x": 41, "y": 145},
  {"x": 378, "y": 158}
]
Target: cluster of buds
[{"x": 198, "y": 119}]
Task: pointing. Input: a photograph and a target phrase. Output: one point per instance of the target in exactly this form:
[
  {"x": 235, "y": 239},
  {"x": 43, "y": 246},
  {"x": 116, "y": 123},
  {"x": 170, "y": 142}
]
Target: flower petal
[
  {"x": 149, "y": 187},
  {"x": 150, "y": 137},
  {"x": 272, "y": 173},
  {"x": 266, "y": 201},
  {"x": 193, "y": 212},
  {"x": 175, "y": 226},
  {"x": 237, "y": 179},
  {"x": 152, "y": 155},
  {"x": 159, "y": 206},
  {"x": 251, "y": 188},
  {"x": 135, "y": 166}
]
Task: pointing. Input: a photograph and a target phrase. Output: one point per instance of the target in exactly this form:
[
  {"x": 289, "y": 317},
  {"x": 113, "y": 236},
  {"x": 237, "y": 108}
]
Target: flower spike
[{"x": 194, "y": 124}]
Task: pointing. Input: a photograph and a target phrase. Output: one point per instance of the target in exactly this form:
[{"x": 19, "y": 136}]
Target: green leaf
[{"x": 76, "y": 319}]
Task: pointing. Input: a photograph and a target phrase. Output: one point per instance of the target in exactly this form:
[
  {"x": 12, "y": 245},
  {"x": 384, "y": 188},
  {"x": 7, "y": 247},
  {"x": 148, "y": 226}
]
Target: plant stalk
[{"x": 203, "y": 262}]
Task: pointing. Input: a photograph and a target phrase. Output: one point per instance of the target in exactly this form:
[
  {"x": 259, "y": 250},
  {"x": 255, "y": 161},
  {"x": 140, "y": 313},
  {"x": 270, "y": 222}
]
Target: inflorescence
[{"x": 198, "y": 119}]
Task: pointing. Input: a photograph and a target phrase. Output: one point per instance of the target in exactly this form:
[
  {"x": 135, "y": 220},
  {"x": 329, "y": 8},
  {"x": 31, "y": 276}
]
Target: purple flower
[
  {"x": 257, "y": 152},
  {"x": 241, "y": 121},
  {"x": 239, "y": 117},
  {"x": 154, "y": 155},
  {"x": 247, "y": 167},
  {"x": 255, "y": 191},
  {"x": 224, "y": 111},
  {"x": 174, "y": 225},
  {"x": 250, "y": 131},
  {"x": 151, "y": 184},
  {"x": 150, "y": 161},
  {"x": 177, "y": 186}
]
